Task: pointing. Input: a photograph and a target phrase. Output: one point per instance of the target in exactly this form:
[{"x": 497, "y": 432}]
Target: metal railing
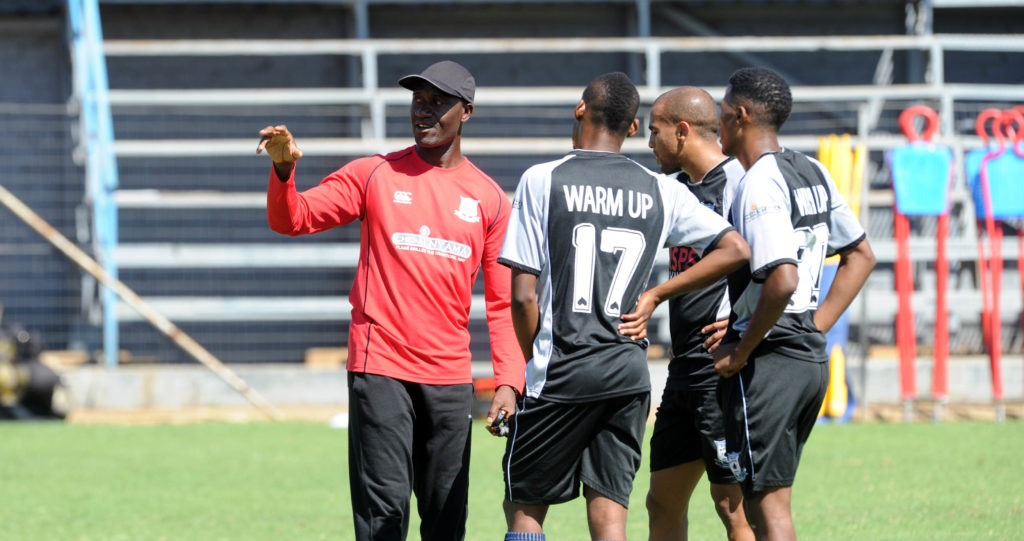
[{"x": 96, "y": 146}]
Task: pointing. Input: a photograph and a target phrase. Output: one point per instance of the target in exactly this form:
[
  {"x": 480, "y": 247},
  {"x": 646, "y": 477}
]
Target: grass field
[{"x": 956, "y": 481}]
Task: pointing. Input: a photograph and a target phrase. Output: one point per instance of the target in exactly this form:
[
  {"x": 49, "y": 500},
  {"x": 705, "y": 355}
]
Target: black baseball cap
[{"x": 450, "y": 77}]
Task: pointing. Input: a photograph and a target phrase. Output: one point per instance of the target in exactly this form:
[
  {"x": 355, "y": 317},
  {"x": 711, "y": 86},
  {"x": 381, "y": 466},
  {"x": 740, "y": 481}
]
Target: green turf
[{"x": 289, "y": 481}]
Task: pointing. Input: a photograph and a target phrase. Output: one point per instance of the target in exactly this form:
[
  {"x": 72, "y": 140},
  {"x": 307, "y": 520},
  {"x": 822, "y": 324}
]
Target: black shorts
[
  {"x": 689, "y": 426},
  {"x": 553, "y": 447},
  {"x": 770, "y": 409}
]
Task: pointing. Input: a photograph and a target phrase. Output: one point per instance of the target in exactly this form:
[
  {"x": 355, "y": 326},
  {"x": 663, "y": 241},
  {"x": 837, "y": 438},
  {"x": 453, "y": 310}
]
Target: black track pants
[{"x": 406, "y": 437}]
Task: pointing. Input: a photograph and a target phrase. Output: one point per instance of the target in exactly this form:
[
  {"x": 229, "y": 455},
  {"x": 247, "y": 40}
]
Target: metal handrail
[
  {"x": 357, "y": 47},
  {"x": 96, "y": 145}
]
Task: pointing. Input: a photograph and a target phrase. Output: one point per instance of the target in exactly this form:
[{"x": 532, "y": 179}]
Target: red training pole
[
  {"x": 995, "y": 238},
  {"x": 1020, "y": 268},
  {"x": 905, "y": 336},
  {"x": 940, "y": 373},
  {"x": 983, "y": 283},
  {"x": 995, "y": 318}
]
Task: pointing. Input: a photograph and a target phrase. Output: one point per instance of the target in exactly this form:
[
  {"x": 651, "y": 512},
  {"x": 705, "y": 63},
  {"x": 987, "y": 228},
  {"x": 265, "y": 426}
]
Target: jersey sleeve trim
[
  {"x": 714, "y": 242},
  {"x": 849, "y": 246},
  {"x": 761, "y": 274},
  {"x": 366, "y": 185},
  {"x": 518, "y": 266}
]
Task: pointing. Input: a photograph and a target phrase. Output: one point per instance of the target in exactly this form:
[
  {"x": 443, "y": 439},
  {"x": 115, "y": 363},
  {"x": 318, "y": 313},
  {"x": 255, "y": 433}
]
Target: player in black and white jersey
[
  {"x": 773, "y": 359},
  {"x": 689, "y": 431},
  {"x": 582, "y": 239}
]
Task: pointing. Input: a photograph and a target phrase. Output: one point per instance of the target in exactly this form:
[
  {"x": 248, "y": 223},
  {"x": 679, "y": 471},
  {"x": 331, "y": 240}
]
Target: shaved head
[
  {"x": 683, "y": 126},
  {"x": 692, "y": 105}
]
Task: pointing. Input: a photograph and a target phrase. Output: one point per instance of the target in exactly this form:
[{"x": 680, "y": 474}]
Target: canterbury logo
[{"x": 404, "y": 198}]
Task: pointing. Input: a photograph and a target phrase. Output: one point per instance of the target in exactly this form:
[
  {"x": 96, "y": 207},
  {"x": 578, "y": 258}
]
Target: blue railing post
[{"x": 97, "y": 140}]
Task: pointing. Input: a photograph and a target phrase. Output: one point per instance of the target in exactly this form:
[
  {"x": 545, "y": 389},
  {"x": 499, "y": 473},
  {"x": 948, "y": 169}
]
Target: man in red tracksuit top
[{"x": 429, "y": 221}]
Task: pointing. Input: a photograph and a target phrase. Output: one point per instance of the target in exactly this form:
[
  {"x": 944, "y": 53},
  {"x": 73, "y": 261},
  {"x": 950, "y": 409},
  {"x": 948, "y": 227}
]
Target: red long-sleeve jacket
[{"x": 425, "y": 233}]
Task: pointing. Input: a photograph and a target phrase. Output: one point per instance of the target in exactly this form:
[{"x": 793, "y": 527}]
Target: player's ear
[
  {"x": 743, "y": 114},
  {"x": 467, "y": 111},
  {"x": 682, "y": 129},
  {"x": 581, "y": 109},
  {"x": 634, "y": 127}
]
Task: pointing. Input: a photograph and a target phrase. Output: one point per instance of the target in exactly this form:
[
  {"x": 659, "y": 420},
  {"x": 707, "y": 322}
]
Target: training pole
[{"x": 157, "y": 319}]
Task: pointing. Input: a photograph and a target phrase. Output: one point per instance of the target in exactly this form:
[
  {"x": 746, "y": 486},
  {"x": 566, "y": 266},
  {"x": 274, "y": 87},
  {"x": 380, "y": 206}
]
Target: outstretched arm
[
  {"x": 730, "y": 253},
  {"x": 337, "y": 200}
]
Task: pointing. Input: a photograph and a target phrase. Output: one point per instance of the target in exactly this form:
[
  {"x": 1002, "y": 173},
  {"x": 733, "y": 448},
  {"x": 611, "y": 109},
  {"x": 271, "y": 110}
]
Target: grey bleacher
[{"x": 192, "y": 83}]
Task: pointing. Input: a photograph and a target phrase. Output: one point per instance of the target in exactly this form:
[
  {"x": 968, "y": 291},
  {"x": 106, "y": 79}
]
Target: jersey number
[
  {"x": 811, "y": 245},
  {"x": 628, "y": 244}
]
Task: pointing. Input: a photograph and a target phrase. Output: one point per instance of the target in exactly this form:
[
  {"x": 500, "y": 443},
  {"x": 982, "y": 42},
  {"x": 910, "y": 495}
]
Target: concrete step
[{"x": 128, "y": 387}]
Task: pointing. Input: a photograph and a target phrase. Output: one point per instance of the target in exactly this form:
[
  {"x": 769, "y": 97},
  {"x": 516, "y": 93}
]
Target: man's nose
[{"x": 422, "y": 110}]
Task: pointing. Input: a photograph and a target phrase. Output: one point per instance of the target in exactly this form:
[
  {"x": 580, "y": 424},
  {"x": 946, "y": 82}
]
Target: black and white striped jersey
[
  {"x": 788, "y": 209},
  {"x": 589, "y": 225}
]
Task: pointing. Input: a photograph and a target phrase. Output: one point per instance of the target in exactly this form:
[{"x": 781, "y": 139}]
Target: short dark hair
[
  {"x": 612, "y": 100},
  {"x": 767, "y": 91}
]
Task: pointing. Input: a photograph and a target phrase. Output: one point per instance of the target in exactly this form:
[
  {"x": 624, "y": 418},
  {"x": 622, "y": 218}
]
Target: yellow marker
[
  {"x": 846, "y": 164},
  {"x": 836, "y": 397}
]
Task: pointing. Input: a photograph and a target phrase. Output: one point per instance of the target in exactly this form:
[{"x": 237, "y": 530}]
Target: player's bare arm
[
  {"x": 525, "y": 312},
  {"x": 730, "y": 253},
  {"x": 525, "y": 320},
  {"x": 854, "y": 267},
  {"x": 778, "y": 288},
  {"x": 281, "y": 147}
]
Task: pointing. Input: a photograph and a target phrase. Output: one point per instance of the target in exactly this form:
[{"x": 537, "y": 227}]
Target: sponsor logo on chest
[
  {"x": 681, "y": 258},
  {"x": 424, "y": 243}
]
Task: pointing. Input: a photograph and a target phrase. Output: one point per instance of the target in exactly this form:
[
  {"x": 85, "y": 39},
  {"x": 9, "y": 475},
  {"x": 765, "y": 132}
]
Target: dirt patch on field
[
  {"x": 926, "y": 411},
  {"x": 156, "y": 416}
]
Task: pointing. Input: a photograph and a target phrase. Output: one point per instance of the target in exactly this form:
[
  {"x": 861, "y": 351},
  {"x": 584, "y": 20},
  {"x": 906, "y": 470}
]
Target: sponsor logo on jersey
[
  {"x": 469, "y": 209},
  {"x": 756, "y": 212},
  {"x": 403, "y": 198},
  {"x": 424, "y": 243},
  {"x": 681, "y": 258}
]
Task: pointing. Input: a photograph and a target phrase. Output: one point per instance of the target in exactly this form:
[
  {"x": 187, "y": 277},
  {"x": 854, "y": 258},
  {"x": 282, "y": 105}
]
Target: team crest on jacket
[{"x": 469, "y": 209}]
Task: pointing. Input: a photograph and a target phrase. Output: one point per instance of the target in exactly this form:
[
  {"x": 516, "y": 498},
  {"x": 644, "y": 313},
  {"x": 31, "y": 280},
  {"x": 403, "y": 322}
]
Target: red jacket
[{"x": 425, "y": 233}]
